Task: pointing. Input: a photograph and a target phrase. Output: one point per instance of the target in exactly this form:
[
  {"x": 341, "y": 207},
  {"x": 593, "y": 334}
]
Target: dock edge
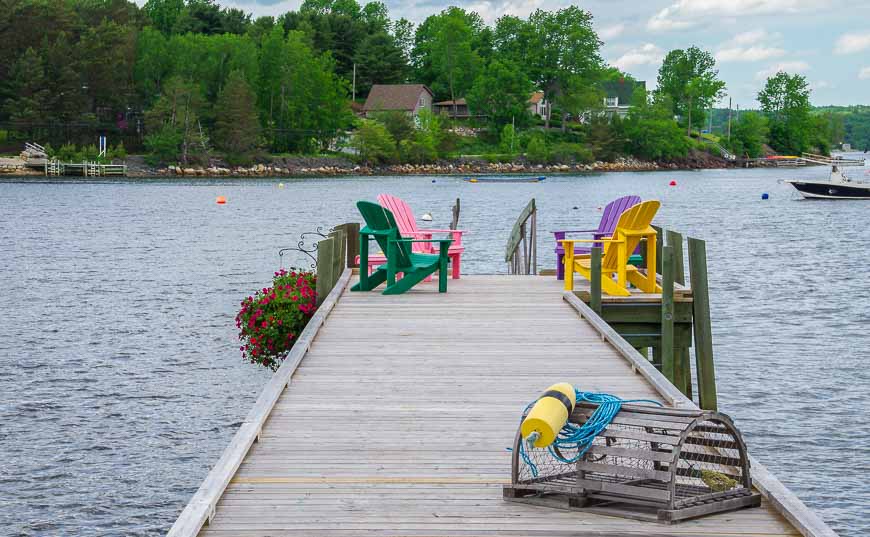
[
  {"x": 783, "y": 500},
  {"x": 201, "y": 508}
]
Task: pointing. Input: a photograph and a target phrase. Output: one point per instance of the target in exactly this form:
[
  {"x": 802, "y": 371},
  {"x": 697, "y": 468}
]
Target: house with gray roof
[{"x": 409, "y": 98}]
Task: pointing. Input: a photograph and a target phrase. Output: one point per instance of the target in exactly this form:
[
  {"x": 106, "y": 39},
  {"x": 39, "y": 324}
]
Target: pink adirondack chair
[
  {"x": 408, "y": 227},
  {"x": 611, "y": 215}
]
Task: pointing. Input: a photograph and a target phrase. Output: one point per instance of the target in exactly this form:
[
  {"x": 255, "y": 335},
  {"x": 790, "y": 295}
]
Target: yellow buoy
[
  {"x": 549, "y": 414},
  {"x": 280, "y": 185},
  {"x": 221, "y": 200}
]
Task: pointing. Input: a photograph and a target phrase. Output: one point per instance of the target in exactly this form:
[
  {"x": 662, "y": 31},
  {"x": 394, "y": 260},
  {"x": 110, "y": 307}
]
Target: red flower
[{"x": 264, "y": 324}]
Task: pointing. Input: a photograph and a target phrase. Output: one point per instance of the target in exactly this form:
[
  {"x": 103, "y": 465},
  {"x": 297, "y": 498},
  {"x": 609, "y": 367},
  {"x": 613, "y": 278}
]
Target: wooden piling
[
  {"x": 351, "y": 230},
  {"x": 325, "y": 267},
  {"x": 683, "y": 361},
  {"x": 667, "y": 337},
  {"x": 707, "y": 398},
  {"x": 595, "y": 281}
]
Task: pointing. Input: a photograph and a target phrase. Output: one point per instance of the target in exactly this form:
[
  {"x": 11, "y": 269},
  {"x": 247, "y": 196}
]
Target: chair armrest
[
  {"x": 572, "y": 241},
  {"x": 421, "y": 240},
  {"x": 455, "y": 231},
  {"x": 575, "y": 231}
]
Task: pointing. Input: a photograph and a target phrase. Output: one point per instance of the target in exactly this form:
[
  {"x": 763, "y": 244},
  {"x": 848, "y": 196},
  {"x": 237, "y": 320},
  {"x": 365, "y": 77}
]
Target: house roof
[
  {"x": 394, "y": 96},
  {"x": 622, "y": 88},
  {"x": 459, "y": 102},
  {"x": 536, "y": 97}
]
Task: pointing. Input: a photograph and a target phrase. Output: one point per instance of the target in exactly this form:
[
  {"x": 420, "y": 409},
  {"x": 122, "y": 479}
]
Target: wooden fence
[{"x": 335, "y": 253}]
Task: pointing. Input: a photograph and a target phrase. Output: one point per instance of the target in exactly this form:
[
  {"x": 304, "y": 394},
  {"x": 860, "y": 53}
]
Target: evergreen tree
[
  {"x": 379, "y": 61},
  {"x": 236, "y": 123},
  {"x": 28, "y": 83}
]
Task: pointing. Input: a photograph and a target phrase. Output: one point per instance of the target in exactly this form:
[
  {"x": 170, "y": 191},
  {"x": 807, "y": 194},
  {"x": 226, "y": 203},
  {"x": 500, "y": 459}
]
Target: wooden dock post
[
  {"x": 707, "y": 398},
  {"x": 325, "y": 267},
  {"x": 595, "y": 281},
  {"x": 683, "y": 361},
  {"x": 351, "y": 230},
  {"x": 659, "y": 244},
  {"x": 667, "y": 323}
]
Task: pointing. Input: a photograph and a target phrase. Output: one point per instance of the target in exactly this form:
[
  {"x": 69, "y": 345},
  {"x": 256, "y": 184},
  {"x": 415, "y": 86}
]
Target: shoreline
[{"x": 304, "y": 167}]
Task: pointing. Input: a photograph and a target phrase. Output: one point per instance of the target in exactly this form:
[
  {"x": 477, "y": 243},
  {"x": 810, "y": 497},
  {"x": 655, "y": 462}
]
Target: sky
[{"x": 827, "y": 41}]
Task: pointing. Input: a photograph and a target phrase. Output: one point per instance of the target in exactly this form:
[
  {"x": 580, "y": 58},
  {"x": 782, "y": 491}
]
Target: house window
[
  {"x": 611, "y": 101},
  {"x": 421, "y": 100}
]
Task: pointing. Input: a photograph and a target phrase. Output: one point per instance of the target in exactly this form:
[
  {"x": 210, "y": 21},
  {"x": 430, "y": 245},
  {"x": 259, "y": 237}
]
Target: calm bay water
[{"x": 121, "y": 380}]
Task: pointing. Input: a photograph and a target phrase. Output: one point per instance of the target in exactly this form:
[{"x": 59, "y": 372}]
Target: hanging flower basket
[{"x": 271, "y": 319}]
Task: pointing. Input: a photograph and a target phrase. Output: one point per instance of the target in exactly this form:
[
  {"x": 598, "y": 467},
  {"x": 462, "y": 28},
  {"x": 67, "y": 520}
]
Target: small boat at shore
[
  {"x": 838, "y": 186},
  {"x": 538, "y": 179}
]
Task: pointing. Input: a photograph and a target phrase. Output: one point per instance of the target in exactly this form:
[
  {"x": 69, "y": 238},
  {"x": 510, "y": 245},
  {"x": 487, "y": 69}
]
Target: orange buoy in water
[
  {"x": 221, "y": 200},
  {"x": 673, "y": 183}
]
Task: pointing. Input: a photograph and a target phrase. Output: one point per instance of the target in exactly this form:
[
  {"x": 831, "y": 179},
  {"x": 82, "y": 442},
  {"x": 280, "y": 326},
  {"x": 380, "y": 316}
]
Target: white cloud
[
  {"x": 788, "y": 67},
  {"x": 748, "y": 54},
  {"x": 645, "y": 55},
  {"x": 609, "y": 32},
  {"x": 821, "y": 84},
  {"x": 851, "y": 43},
  {"x": 864, "y": 73},
  {"x": 685, "y": 13},
  {"x": 751, "y": 46}
]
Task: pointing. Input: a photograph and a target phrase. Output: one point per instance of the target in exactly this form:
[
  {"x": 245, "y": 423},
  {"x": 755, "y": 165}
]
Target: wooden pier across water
[{"x": 392, "y": 414}]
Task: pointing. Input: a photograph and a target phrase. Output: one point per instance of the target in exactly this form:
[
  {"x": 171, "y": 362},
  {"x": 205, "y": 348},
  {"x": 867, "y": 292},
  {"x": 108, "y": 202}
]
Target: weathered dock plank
[{"x": 397, "y": 419}]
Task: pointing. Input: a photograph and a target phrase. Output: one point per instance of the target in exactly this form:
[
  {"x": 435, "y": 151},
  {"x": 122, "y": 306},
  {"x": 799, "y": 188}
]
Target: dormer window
[{"x": 611, "y": 101}]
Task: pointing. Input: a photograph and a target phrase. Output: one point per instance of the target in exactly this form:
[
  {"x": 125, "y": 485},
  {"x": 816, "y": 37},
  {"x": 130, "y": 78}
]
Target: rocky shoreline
[
  {"x": 314, "y": 166},
  {"x": 338, "y": 166}
]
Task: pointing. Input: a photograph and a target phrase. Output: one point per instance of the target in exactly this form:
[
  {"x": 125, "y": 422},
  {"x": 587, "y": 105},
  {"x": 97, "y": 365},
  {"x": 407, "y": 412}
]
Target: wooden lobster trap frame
[{"x": 650, "y": 463}]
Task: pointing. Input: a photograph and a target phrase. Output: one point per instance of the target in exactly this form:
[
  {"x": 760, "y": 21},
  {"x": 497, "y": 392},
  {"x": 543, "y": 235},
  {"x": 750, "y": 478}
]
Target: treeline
[{"x": 200, "y": 79}]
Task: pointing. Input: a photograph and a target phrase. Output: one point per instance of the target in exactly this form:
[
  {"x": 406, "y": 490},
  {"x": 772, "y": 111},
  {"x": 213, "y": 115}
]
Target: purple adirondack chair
[{"x": 611, "y": 215}]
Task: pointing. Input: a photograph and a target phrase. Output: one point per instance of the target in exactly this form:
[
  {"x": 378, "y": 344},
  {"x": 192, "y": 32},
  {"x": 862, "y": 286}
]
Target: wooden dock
[{"x": 392, "y": 414}]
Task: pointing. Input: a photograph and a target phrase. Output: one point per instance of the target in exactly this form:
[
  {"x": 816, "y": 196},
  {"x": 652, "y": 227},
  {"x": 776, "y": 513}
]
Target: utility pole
[
  {"x": 738, "y": 113},
  {"x": 354, "y": 82},
  {"x": 729, "y": 119},
  {"x": 513, "y": 132}
]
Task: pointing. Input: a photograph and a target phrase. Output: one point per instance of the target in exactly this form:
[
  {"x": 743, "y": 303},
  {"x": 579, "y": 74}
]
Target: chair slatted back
[
  {"x": 379, "y": 218},
  {"x": 635, "y": 219}
]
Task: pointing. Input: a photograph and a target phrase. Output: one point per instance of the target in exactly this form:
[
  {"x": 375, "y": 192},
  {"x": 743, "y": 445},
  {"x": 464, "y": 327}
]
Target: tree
[
  {"x": 29, "y": 84},
  {"x": 554, "y": 48},
  {"x": 175, "y": 119},
  {"x": 164, "y": 13},
  {"x": 379, "y": 61},
  {"x": 689, "y": 79},
  {"x": 453, "y": 60},
  {"x": 785, "y": 99},
  {"x": 373, "y": 142},
  {"x": 108, "y": 53},
  {"x": 236, "y": 123},
  {"x": 651, "y": 132},
  {"x": 501, "y": 92},
  {"x": 398, "y": 124},
  {"x": 749, "y": 134},
  {"x": 67, "y": 97}
]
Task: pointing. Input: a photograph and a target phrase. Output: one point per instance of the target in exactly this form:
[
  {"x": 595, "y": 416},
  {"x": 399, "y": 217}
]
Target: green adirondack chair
[{"x": 381, "y": 225}]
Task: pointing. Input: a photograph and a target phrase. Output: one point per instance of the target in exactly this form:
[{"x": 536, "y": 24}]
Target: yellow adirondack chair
[{"x": 633, "y": 225}]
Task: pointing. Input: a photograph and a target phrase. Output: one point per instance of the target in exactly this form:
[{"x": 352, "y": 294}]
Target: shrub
[
  {"x": 117, "y": 151},
  {"x": 566, "y": 152},
  {"x": 373, "y": 142},
  {"x": 162, "y": 146},
  {"x": 271, "y": 320},
  {"x": 536, "y": 150}
]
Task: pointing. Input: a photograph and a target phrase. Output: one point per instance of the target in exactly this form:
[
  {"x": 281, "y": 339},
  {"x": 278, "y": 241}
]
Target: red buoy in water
[
  {"x": 673, "y": 183},
  {"x": 221, "y": 200}
]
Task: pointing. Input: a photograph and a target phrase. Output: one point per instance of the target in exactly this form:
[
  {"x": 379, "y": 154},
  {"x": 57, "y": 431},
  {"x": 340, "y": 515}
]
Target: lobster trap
[{"x": 649, "y": 463}]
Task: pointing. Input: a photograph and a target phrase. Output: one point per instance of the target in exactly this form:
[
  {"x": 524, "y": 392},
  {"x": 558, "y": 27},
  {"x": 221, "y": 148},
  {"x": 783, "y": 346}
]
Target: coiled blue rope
[{"x": 580, "y": 437}]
